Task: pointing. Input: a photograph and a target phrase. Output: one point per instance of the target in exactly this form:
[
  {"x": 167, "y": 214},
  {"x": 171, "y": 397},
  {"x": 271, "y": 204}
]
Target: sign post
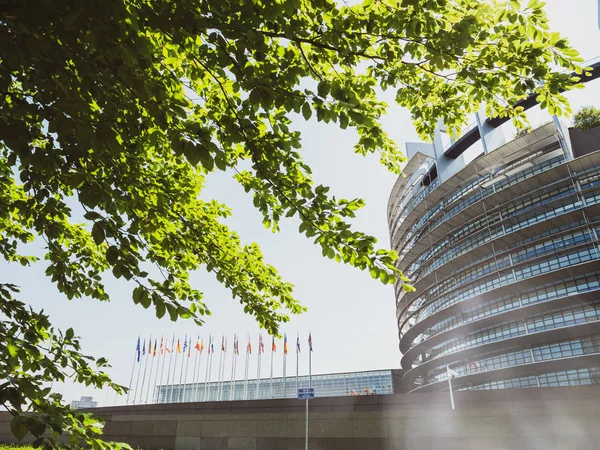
[
  {"x": 451, "y": 374},
  {"x": 306, "y": 394}
]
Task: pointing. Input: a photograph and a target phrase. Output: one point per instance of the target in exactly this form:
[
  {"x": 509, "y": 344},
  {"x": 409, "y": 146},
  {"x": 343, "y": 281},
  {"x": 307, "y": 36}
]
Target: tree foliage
[
  {"x": 587, "y": 118},
  {"x": 125, "y": 106}
]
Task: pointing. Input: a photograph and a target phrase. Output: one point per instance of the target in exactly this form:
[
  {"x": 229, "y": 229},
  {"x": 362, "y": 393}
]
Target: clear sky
[{"x": 351, "y": 316}]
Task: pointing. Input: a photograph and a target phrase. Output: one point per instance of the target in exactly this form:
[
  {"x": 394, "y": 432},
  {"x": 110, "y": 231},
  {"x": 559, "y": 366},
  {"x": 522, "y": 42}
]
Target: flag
[
  {"x": 261, "y": 346},
  {"x": 310, "y": 341},
  {"x": 150, "y": 345},
  {"x": 137, "y": 348},
  {"x": 197, "y": 346},
  {"x": 249, "y": 346},
  {"x": 285, "y": 346},
  {"x": 178, "y": 346},
  {"x": 451, "y": 373},
  {"x": 185, "y": 344},
  {"x": 162, "y": 349},
  {"x": 155, "y": 344},
  {"x": 209, "y": 343},
  {"x": 273, "y": 346},
  {"x": 144, "y": 348},
  {"x": 190, "y": 348},
  {"x": 201, "y": 345},
  {"x": 212, "y": 346},
  {"x": 298, "y": 345},
  {"x": 236, "y": 345},
  {"x": 222, "y": 343}
]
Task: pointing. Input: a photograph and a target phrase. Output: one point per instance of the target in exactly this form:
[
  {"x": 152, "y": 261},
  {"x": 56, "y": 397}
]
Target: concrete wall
[{"x": 528, "y": 419}]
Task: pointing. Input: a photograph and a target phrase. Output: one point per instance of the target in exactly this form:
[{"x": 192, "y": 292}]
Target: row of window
[
  {"x": 565, "y": 349},
  {"x": 546, "y": 292},
  {"x": 560, "y": 318},
  {"x": 481, "y": 193},
  {"x": 568, "y": 200},
  {"x": 443, "y": 252},
  {"x": 507, "y": 277},
  {"x": 548, "y": 246},
  {"x": 340, "y": 385},
  {"x": 517, "y": 207},
  {"x": 575, "y": 377}
]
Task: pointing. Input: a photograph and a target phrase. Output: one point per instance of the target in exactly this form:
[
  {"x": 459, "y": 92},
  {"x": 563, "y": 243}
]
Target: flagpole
[
  {"x": 272, "y": 351},
  {"x": 187, "y": 365},
  {"x": 285, "y": 351},
  {"x": 194, "y": 369},
  {"x": 219, "y": 372},
  {"x": 223, "y": 370},
  {"x": 258, "y": 368},
  {"x": 297, "y": 359},
  {"x": 180, "y": 390},
  {"x": 157, "y": 370},
  {"x": 198, "y": 372},
  {"x": 212, "y": 356},
  {"x": 210, "y": 360},
  {"x": 137, "y": 382},
  {"x": 310, "y": 359},
  {"x": 145, "y": 367},
  {"x": 162, "y": 371},
  {"x": 233, "y": 358},
  {"x": 175, "y": 350},
  {"x": 246, "y": 369},
  {"x": 150, "y": 374},
  {"x": 206, "y": 374},
  {"x": 168, "y": 396},
  {"x": 132, "y": 371}
]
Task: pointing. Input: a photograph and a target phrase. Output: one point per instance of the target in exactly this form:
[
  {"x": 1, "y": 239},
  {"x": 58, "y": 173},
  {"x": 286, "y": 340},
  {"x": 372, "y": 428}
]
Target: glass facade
[
  {"x": 504, "y": 255},
  {"x": 374, "y": 382}
]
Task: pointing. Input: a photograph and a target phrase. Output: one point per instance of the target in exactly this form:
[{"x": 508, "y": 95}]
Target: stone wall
[{"x": 546, "y": 418}]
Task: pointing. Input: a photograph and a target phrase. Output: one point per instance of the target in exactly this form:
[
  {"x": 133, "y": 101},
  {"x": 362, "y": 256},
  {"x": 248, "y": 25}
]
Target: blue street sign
[{"x": 304, "y": 393}]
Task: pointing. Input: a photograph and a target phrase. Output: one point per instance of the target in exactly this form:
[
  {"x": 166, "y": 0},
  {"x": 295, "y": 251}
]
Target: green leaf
[
  {"x": 323, "y": 88},
  {"x": 306, "y": 111},
  {"x": 98, "y": 233},
  {"x": 160, "y": 308},
  {"x": 112, "y": 254},
  {"x": 18, "y": 429},
  {"x": 138, "y": 293}
]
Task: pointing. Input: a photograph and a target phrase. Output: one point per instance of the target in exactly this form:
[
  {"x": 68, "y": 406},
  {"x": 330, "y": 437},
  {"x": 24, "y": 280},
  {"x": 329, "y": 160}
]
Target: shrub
[
  {"x": 522, "y": 132},
  {"x": 587, "y": 118}
]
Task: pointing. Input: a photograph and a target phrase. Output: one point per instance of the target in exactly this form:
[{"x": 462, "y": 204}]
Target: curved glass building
[{"x": 501, "y": 240}]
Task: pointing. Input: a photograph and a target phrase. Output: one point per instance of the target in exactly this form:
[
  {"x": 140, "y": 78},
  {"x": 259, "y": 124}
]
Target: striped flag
[
  {"x": 273, "y": 346},
  {"x": 310, "y": 341},
  {"x": 155, "y": 344},
  {"x": 285, "y": 345},
  {"x": 178, "y": 347}
]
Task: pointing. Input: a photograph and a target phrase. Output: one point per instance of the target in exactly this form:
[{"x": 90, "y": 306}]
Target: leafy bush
[
  {"x": 587, "y": 118},
  {"x": 522, "y": 132}
]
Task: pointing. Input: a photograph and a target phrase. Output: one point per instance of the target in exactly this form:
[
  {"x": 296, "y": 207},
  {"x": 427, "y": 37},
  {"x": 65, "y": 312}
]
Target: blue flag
[{"x": 138, "y": 349}]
